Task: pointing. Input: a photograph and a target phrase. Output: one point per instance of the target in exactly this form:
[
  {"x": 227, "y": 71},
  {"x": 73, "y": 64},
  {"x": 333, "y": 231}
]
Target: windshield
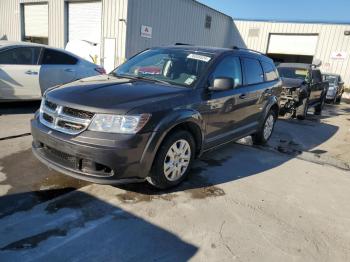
[
  {"x": 288, "y": 72},
  {"x": 330, "y": 79},
  {"x": 171, "y": 66}
]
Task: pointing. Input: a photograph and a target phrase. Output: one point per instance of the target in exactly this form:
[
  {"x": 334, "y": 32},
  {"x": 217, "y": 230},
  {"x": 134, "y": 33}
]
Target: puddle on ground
[
  {"x": 131, "y": 197},
  {"x": 31, "y": 183},
  {"x": 205, "y": 192}
]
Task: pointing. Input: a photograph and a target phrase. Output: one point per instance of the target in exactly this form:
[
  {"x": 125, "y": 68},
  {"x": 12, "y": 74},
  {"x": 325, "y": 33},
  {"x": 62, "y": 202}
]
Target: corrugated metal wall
[
  {"x": 331, "y": 39},
  {"x": 10, "y": 20},
  {"x": 175, "y": 21}
]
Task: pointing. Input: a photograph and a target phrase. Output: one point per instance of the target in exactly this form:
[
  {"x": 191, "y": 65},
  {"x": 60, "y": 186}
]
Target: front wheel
[
  {"x": 264, "y": 134},
  {"x": 173, "y": 160},
  {"x": 301, "y": 111},
  {"x": 319, "y": 107}
]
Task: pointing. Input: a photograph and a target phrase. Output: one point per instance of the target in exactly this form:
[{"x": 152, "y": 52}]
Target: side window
[
  {"x": 316, "y": 75},
  {"x": 253, "y": 71},
  {"x": 53, "y": 57},
  {"x": 270, "y": 72},
  {"x": 229, "y": 67},
  {"x": 20, "y": 56}
]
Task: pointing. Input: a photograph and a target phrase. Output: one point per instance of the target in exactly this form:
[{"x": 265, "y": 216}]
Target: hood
[
  {"x": 292, "y": 82},
  {"x": 109, "y": 94}
]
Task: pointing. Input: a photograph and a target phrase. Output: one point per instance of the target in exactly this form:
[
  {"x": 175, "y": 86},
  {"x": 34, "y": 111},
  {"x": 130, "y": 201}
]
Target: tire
[
  {"x": 319, "y": 108},
  {"x": 301, "y": 111},
  {"x": 260, "y": 137},
  {"x": 338, "y": 100},
  {"x": 159, "y": 176}
]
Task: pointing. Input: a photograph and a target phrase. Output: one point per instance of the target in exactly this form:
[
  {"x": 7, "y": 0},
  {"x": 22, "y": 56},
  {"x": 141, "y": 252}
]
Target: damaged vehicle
[
  {"x": 141, "y": 123},
  {"x": 303, "y": 87},
  {"x": 336, "y": 88}
]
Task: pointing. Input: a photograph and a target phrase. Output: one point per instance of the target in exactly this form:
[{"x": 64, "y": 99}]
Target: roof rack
[
  {"x": 247, "y": 49},
  {"x": 182, "y": 44}
]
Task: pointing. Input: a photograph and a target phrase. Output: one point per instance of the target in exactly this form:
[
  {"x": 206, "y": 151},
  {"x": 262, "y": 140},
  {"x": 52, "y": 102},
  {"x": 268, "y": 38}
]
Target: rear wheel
[
  {"x": 173, "y": 160},
  {"x": 264, "y": 134},
  {"x": 301, "y": 111}
]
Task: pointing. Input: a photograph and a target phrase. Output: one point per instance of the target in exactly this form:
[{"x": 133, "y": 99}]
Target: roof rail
[{"x": 247, "y": 49}]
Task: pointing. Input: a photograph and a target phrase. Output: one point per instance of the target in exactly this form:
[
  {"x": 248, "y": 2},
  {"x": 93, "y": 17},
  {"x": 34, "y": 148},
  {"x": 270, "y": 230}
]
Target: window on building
[
  {"x": 208, "y": 22},
  {"x": 253, "y": 71},
  {"x": 35, "y": 22},
  {"x": 20, "y": 56},
  {"x": 53, "y": 57},
  {"x": 229, "y": 67},
  {"x": 270, "y": 72}
]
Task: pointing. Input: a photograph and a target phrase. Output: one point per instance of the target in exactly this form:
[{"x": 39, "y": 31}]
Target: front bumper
[{"x": 93, "y": 156}]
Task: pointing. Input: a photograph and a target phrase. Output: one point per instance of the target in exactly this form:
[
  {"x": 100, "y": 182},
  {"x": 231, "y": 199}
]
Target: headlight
[{"x": 119, "y": 123}]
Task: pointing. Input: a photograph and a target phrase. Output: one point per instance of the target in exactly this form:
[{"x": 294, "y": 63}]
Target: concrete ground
[{"x": 287, "y": 201}]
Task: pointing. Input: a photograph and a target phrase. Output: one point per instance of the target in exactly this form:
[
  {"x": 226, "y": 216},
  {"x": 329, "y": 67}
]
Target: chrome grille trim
[{"x": 58, "y": 115}]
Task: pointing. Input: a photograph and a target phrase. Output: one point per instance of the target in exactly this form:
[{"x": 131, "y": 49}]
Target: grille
[
  {"x": 64, "y": 119},
  {"x": 66, "y": 159},
  {"x": 77, "y": 113}
]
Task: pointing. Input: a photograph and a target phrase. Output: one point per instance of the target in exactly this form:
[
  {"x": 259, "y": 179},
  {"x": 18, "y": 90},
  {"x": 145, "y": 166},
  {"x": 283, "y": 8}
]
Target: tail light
[{"x": 101, "y": 70}]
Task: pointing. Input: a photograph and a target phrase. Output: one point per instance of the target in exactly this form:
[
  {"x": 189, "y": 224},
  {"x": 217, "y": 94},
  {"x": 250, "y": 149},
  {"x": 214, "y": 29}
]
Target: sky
[{"x": 328, "y": 11}]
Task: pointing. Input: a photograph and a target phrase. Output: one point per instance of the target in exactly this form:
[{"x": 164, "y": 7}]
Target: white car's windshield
[{"x": 172, "y": 66}]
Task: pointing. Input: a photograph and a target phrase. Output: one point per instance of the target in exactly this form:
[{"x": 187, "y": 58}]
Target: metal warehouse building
[
  {"x": 301, "y": 42},
  {"x": 120, "y": 27}
]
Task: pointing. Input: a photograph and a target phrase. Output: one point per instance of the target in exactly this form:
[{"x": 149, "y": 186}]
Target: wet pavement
[{"x": 286, "y": 201}]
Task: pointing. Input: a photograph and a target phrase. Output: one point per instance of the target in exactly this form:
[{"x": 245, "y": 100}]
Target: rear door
[
  {"x": 255, "y": 88},
  {"x": 19, "y": 73},
  {"x": 57, "y": 68}
]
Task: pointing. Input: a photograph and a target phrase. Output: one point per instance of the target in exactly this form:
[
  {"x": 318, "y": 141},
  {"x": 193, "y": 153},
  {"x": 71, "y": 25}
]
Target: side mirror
[{"x": 221, "y": 83}]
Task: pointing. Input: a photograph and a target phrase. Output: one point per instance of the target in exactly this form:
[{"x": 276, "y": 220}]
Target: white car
[{"x": 27, "y": 69}]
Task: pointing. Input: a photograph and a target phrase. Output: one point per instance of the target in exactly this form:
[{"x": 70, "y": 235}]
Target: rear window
[
  {"x": 53, "y": 57},
  {"x": 270, "y": 72},
  {"x": 253, "y": 71}
]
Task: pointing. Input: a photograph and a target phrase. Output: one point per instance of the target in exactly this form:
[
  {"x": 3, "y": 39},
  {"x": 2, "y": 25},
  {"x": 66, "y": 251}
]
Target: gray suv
[{"x": 152, "y": 116}]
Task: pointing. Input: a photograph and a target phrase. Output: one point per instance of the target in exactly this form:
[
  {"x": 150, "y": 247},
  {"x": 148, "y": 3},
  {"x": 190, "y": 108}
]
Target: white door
[
  {"x": 84, "y": 23},
  {"x": 19, "y": 73},
  {"x": 57, "y": 68},
  {"x": 293, "y": 44}
]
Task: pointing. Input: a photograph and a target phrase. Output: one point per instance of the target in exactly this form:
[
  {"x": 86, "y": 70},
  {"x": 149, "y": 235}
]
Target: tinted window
[
  {"x": 289, "y": 72},
  {"x": 229, "y": 67},
  {"x": 53, "y": 57},
  {"x": 253, "y": 71},
  {"x": 20, "y": 56},
  {"x": 316, "y": 75},
  {"x": 270, "y": 72}
]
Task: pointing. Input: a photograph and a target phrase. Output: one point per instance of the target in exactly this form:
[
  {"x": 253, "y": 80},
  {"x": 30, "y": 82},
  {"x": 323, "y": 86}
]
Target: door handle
[
  {"x": 243, "y": 96},
  {"x": 30, "y": 72},
  {"x": 69, "y": 70}
]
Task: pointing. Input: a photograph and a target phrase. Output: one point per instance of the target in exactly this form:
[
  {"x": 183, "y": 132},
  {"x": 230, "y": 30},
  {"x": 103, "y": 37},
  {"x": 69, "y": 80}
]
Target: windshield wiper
[{"x": 142, "y": 78}]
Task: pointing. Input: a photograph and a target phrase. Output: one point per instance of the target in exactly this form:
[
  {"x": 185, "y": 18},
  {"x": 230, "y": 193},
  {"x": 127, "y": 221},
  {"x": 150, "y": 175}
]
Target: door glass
[
  {"x": 253, "y": 71},
  {"x": 270, "y": 72},
  {"x": 229, "y": 67},
  {"x": 53, "y": 57},
  {"x": 20, "y": 56}
]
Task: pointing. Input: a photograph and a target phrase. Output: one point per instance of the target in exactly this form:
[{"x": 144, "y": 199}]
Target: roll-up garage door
[
  {"x": 293, "y": 44},
  {"x": 84, "y": 21},
  {"x": 36, "y": 20}
]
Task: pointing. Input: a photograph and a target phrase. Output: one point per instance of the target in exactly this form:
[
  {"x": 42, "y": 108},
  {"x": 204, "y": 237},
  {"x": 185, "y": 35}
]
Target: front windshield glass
[
  {"x": 330, "y": 79},
  {"x": 288, "y": 72},
  {"x": 171, "y": 66}
]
